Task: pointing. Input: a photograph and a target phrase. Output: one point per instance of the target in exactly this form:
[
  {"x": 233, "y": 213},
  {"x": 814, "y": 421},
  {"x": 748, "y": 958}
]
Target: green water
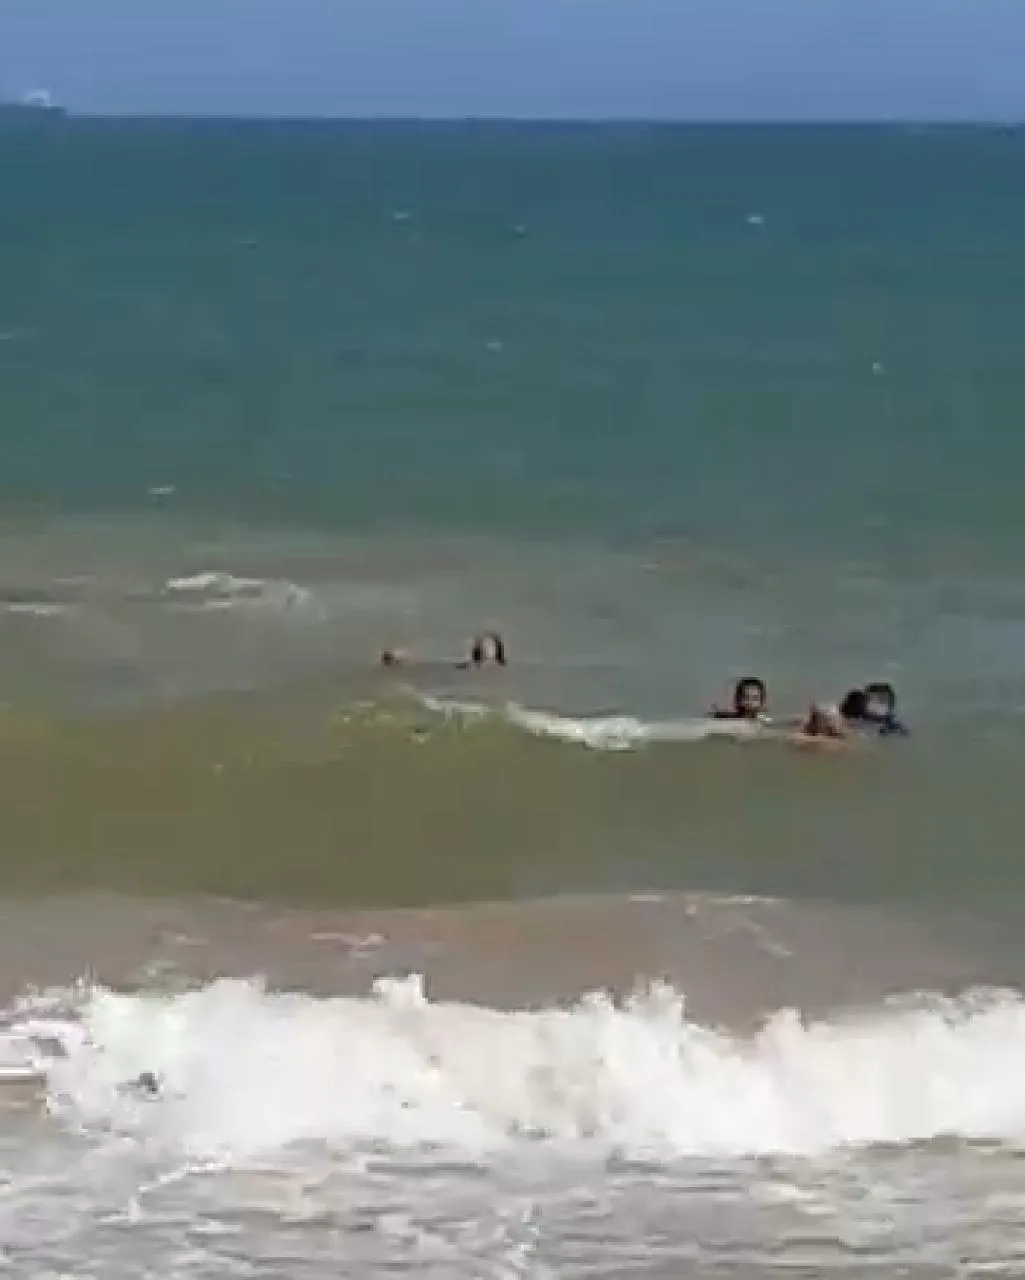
[{"x": 667, "y": 404}]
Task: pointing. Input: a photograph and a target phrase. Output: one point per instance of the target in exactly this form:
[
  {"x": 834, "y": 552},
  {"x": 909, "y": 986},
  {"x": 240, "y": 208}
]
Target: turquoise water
[{"x": 576, "y": 331}]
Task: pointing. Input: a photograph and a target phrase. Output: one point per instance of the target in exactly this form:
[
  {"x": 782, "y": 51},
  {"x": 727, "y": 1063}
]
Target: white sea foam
[
  {"x": 213, "y": 590},
  {"x": 245, "y": 1073},
  {"x": 597, "y": 732},
  {"x": 36, "y": 608},
  {"x": 623, "y": 732}
]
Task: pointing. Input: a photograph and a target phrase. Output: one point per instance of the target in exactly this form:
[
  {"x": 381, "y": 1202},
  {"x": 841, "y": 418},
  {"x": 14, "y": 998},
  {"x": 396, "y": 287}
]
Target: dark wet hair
[
  {"x": 743, "y": 685},
  {"x": 479, "y": 649},
  {"x": 854, "y": 704}
]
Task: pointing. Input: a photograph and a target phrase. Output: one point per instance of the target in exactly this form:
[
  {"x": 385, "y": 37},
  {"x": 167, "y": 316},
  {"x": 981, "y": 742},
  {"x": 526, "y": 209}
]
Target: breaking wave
[{"x": 243, "y": 1071}]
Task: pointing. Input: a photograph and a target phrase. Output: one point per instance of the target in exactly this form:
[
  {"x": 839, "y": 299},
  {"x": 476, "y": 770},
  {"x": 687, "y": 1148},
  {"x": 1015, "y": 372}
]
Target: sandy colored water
[
  {"x": 298, "y": 797},
  {"x": 737, "y": 959}
]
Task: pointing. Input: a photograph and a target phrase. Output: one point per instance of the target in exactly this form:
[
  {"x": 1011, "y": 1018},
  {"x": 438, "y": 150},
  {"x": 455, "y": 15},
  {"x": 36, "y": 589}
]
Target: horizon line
[{"x": 908, "y": 121}]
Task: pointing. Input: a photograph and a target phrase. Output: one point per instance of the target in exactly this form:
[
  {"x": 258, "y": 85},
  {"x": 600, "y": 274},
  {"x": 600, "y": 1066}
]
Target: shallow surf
[{"x": 506, "y": 1090}]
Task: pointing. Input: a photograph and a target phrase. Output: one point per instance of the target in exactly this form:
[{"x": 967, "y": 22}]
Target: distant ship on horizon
[{"x": 30, "y": 108}]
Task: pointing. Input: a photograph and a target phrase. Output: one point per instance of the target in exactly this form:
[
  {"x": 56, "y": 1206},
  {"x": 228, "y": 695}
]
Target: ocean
[{"x": 519, "y": 971}]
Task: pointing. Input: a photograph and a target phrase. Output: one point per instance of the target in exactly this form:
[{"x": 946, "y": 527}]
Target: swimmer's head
[
  {"x": 749, "y": 697},
  {"x": 488, "y": 648},
  {"x": 875, "y": 705},
  {"x": 823, "y": 722},
  {"x": 391, "y": 658},
  {"x": 880, "y": 702}
]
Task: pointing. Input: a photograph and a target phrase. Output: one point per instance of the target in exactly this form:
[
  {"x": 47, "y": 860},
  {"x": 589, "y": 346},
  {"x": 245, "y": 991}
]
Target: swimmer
[
  {"x": 145, "y": 1085},
  {"x": 822, "y": 728},
  {"x": 485, "y": 650},
  {"x": 822, "y": 723},
  {"x": 749, "y": 702},
  {"x": 873, "y": 707}
]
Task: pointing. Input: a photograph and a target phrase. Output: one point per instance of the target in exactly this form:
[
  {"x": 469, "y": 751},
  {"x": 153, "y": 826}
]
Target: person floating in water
[
  {"x": 822, "y": 724},
  {"x": 873, "y": 707},
  {"x": 487, "y": 649},
  {"x": 750, "y": 702}
]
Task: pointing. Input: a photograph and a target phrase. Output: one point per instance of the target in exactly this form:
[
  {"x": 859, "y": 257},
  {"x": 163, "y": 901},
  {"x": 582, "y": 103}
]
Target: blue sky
[{"x": 908, "y": 59}]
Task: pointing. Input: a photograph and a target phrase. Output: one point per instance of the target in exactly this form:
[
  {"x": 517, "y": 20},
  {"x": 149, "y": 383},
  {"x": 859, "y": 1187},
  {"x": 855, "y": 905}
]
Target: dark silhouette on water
[
  {"x": 487, "y": 649},
  {"x": 750, "y": 701}
]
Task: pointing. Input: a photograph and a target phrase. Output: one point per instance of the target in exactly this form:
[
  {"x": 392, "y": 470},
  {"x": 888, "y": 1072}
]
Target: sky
[{"x": 656, "y": 59}]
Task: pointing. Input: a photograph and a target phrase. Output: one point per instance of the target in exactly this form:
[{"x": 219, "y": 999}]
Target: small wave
[
  {"x": 596, "y": 732},
  {"x": 621, "y": 732},
  {"x": 215, "y": 590},
  {"x": 61, "y": 596},
  {"x": 244, "y": 1071},
  {"x": 36, "y": 608}
]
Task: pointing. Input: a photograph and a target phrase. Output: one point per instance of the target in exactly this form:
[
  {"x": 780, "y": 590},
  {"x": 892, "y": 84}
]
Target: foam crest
[
  {"x": 36, "y": 609},
  {"x": 244, "y": 1071},
  {"x": 212, "y": 590},
  {"x": 596, "y": 732},
  {"x": 622, "y": 732}
]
